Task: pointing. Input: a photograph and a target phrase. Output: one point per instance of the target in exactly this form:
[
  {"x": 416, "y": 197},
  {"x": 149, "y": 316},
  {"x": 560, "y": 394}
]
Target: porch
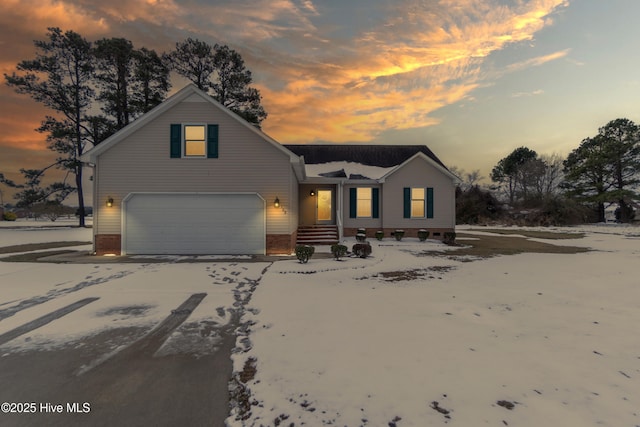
[{"x": 319, "y": 218}]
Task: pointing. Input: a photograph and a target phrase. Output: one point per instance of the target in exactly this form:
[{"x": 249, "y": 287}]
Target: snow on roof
[{"x": 350, "y": 170}]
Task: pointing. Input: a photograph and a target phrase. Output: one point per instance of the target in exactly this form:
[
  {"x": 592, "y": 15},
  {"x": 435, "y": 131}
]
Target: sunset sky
[{"x": 472, "y": 79}]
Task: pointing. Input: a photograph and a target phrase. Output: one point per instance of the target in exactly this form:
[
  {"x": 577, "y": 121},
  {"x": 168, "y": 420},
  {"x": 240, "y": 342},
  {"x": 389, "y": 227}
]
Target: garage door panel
[{"x": 194, "y": 224}]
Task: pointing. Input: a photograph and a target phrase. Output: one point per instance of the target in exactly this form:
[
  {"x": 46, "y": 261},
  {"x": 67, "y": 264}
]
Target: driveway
[{"x": 120, "y": 344}]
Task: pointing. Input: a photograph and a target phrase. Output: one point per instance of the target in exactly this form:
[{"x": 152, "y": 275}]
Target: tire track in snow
[
  {"x": 43, "y": 320},
  {"x": 54, "y": 293}
]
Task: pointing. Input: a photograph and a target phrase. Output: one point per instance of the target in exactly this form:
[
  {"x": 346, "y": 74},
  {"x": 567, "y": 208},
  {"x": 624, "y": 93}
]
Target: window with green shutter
[
  {"x": 418, "y": 202},
  {"x": 193, "y": 141},
  {"x": 364, "y": 202}
]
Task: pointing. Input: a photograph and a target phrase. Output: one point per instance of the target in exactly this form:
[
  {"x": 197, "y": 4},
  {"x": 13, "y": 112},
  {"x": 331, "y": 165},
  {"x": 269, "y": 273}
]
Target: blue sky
[{"x": 472, "y": 79}]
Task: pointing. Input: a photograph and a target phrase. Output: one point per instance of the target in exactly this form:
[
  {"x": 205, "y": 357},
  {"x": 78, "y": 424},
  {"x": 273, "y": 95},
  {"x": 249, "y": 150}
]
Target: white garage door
[{"x": 185, "y": 223}]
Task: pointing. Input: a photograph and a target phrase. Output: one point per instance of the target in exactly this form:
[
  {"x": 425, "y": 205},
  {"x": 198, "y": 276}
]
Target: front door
[{"x": 324, "y": 207}]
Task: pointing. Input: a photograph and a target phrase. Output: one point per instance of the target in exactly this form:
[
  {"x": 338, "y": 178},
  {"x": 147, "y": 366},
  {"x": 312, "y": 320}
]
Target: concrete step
[{"x": 317, "y": 235}]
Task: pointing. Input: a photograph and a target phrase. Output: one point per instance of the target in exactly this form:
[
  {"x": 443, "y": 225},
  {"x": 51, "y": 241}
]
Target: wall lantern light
[
  {"x": 276, "y": 203},
  {"x": 312, "y": 193},
  {"x": 109, "y": 202}
]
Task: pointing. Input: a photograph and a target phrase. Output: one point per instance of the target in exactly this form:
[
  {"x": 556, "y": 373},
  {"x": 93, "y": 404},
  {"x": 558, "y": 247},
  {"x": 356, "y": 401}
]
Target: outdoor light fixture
[
  {"x": 109, "y": 202},
  {"x": 312, "y": 193},
  {"x": 276, "y": 203}
]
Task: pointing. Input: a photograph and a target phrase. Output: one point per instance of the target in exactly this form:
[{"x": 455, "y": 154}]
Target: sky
[{"x": 472, "y": 79}]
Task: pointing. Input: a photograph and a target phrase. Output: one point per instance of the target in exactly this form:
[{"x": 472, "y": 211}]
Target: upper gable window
[{"x": 194, "y": 141}]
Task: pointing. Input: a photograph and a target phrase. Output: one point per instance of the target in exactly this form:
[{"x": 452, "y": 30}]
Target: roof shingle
[{"x": 373, "y": 155}]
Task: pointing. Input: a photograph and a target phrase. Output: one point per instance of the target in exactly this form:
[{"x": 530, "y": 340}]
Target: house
[{"x": 191, "y": 177}]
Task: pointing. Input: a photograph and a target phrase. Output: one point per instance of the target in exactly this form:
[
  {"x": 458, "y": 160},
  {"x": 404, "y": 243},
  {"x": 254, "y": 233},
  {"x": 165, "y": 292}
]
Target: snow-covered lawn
[
  {"x": 397, "y": 339},
  {"x": 522, "y": 340},
  {"x": 26, "y": 231}
]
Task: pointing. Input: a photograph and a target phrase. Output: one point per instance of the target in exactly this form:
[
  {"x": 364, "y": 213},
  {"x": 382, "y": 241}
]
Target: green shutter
[
  {"x": 212, "y": 141},
  {"x": 375, "y": 202},
  {"x": 176, "y": 141},
  {"x": 429, "y": 202},
  {"x": 407, "y": 202},
  {"x": 353, "y": 200}
]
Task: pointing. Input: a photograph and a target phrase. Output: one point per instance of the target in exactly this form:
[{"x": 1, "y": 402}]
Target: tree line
[
  {"x": 95, "y": 88},
  {"x": 603, "y": 170}
]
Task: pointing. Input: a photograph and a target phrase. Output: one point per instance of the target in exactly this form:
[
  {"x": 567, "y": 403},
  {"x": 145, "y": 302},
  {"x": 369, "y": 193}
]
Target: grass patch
[
  {"x": 39, "y": 246},
  {"x": 535, "y": 234},
  {"x": 490, "y": 246},
  {"x": 398, "y": 276}
]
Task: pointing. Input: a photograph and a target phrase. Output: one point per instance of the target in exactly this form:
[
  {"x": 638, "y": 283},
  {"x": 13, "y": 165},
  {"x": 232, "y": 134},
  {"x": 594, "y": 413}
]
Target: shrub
[
  {"x": 362, "y": 250},
  {"x": 304, "y": 252},
  {"x": 379, "y": 234},
  {"x": 398, "y": 234},
  {"x": 476, "y": 205},
  {"x": 423, "y": 235},
  {"x": 9, "y": 216},
  {"x": 362, "y": 230},
  {"x": 449, "y": 237},
  {"x": 338, "y": 251},
  {"x": 361, "y": 237}
]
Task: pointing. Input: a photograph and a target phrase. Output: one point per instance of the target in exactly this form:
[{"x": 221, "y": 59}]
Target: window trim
[
  {"x": 183, "y": 142},
  {"x": 423, "y": 199},
  {"x": 367, "y": 202}
]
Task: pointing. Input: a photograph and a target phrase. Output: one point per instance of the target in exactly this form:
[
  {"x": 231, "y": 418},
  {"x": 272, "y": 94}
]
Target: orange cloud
[
  {"x": 37, "y": 15},
  {"x": 320, "y": 81},
  {"x": 20, "y": 121},
  {"x": 392, "y": 77}
]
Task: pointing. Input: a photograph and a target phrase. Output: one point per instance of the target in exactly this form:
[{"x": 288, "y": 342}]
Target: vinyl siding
[
  {"x": 246, "y": 163},
  {"x": 418, "y": 173},
  {"x": 361, "y": 222}
]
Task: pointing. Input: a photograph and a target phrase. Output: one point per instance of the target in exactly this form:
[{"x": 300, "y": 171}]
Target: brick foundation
[
  {"x": 434, "y": 233},
  {"x": 278, "y": 244},
  {"x": 108, "y": 244}
]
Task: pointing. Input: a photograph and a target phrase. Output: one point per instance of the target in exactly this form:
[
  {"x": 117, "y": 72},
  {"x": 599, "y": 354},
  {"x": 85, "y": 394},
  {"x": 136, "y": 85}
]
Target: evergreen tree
[
  {"x": 586, "y": 173},
  {"x": 219, "y": 71},
  {"x": 150, "y": 81},
  {"x": 606, "y": 168},
  {"x": 131, "y": 83},
  {"x": 623, "y": 143},
  {"x": 509, "y": 172},
  {"x": 60, "y": 78}
]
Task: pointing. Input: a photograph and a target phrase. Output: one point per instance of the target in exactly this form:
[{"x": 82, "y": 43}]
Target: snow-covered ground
[
  {"x": 24, "y": 231},
  {"x": 130, "y": 295},
  {"x": 523, "y": 340},
  {"x": 396, "y": 339}
]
